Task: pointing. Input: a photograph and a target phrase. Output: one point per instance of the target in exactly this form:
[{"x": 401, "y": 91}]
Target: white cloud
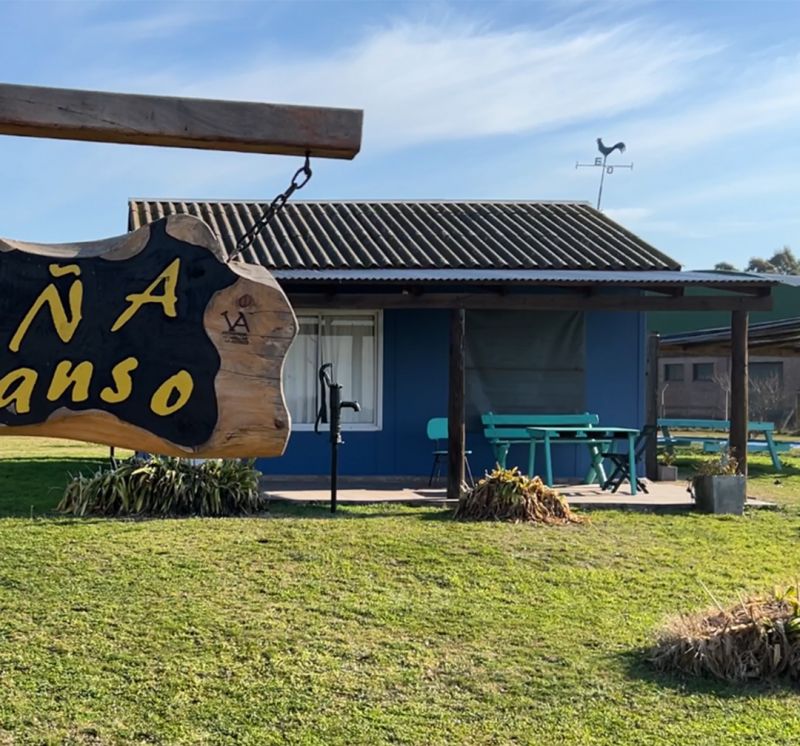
[
  {"x": 768, "y": 97},
  {"x": 423, "y": 83}
]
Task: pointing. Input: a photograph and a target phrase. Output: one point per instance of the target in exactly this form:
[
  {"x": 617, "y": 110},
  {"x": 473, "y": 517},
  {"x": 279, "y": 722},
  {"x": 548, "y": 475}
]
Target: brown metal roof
[{"x": 422, "y": 235}]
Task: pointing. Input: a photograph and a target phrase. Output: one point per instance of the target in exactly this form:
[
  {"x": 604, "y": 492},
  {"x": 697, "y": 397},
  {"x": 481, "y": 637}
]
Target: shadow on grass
[
  {"x": 280, "y": 509},
  {"x": 636, "y": 666},
  {"x": 34, "y": 486}
]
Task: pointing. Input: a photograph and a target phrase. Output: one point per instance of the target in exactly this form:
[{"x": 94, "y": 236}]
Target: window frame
[
  {"x": 710, "y": 379},
  {"x": 760, "y": 365},
  {"x": 682, "y": 367},
  {"x": 377, "y": 425}
]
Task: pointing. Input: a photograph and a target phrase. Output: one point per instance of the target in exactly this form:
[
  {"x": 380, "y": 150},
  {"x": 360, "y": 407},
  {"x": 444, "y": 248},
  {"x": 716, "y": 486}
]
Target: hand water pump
[{"x": 330, "y": 411}]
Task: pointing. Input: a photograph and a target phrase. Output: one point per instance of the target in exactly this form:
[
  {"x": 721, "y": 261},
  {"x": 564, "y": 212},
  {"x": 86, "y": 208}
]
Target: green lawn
[
  {"x": 381, "y": 625},
  {"x": 33, "y": 471}
]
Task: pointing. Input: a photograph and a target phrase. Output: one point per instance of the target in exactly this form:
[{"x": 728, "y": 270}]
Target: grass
[
  {"x": 379, "y": 625},
  {"x": 33, "y": 471}
]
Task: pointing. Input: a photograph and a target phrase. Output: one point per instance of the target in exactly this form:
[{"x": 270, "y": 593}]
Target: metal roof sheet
[
  {"x": 636, "y": 278},
  {"x": 420, "y": 235},
  {"x": 783, "y": 333}
]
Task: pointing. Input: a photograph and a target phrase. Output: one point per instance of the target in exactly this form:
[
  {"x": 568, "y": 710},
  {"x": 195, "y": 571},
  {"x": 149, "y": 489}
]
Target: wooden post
[
  {"x": 455, "y": 408},
  {"x": 651, "y": 405},
  {"x": 739, "y": 385}
]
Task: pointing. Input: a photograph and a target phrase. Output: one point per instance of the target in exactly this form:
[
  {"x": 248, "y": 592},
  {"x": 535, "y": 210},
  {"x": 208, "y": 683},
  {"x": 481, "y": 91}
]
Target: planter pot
[
  {"x": 720, "y": 494},
  {"x": 667, "y": 473}
]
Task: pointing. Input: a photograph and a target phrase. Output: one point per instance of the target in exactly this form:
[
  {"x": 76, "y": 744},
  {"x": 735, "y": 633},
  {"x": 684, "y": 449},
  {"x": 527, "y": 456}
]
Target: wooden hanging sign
[{"x": 148, "y": 340}]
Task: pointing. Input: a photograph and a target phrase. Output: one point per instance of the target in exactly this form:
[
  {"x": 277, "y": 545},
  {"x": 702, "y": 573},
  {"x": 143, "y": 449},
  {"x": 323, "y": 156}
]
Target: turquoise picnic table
[{"x": 595, "y": 438}]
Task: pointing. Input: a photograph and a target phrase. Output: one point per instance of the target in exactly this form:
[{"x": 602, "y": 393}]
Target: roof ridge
[{"x": 366, "y": 201}]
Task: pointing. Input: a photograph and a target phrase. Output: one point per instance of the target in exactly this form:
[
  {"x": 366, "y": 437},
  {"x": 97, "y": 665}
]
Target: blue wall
[{"x": 415, "y": 361}]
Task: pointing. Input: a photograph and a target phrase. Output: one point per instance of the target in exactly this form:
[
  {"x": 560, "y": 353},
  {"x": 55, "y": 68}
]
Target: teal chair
[{"x": 437, "y": 432}]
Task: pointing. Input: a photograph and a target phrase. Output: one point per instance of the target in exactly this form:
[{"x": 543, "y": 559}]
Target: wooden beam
[
  {"x": 531, "y": 302},
  {"x": 651, "y": 405},
  {"x": 208, "y": 124},
  {"x": 455, "y": 405},
  {"x": 739, "y": 394}
]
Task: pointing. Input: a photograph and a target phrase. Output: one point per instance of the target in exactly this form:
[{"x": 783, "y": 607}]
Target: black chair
[
  {"x": 437, "y": 431},
  {"x": 619, "y": 460}
]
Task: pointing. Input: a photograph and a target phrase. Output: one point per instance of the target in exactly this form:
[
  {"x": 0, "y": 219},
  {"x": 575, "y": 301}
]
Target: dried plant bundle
[
  {"x": 757, "y": 638},
  {"x": 507, "y": 495}
]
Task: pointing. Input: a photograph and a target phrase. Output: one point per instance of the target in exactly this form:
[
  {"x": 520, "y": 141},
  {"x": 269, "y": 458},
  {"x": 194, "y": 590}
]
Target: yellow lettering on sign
[
  {"x": 181, "y": 384},
  {"x": 16, "y": 388},
  {"x": 67, "y": 375},
  {"x": 65, "y": 326},
  {"x": 167, "y": 299},
  {"x": 121, "y": 373}
]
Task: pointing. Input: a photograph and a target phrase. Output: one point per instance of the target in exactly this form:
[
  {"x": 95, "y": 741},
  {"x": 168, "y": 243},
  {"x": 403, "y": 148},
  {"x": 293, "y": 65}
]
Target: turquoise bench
[
  {"x": 504, "y": 430},
  {"x": 669, "y": 440}
]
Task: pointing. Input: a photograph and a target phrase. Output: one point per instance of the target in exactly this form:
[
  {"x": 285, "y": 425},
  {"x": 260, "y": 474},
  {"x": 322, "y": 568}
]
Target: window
[
  {"x": 703, "y": 372},
  {"x": 766, "y": 372},
  {"x": 352, "y": 342},
  {"x": 673, "y": 372}
]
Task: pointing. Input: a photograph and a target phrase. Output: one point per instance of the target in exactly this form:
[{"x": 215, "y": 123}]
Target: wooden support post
[
  {"x": 651, "y": 405},
  {"x": 455, "y": 408},
  {"x": 739, "y": 388},
  {"x": 208, "y": 124}
]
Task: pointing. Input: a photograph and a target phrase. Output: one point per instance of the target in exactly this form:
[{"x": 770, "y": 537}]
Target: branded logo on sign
[
  {"x": 127, "y": 336},
  {"x": 238, "y": 329}
]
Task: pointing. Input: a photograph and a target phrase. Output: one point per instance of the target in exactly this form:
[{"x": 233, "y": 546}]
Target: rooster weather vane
[{"x": 601, "y": 164}]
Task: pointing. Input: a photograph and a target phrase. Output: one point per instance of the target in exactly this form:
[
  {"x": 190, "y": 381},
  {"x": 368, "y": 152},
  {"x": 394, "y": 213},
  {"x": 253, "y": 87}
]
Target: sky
[{"x": 461, "y": 100}]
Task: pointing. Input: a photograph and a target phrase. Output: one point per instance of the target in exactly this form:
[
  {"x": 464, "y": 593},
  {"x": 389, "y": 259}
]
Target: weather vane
[{"x": 601, "y": 164}]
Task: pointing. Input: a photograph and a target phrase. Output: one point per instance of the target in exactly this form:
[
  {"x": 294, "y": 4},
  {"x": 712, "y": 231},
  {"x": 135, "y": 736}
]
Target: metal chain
[{"x": 299, "y": 180}]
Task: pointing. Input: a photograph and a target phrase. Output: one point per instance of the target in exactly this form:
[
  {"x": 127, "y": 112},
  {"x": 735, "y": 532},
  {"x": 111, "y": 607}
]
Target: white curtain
[
  {"x": 300, "y": 371},
  {"x": 350, "y": 343}
]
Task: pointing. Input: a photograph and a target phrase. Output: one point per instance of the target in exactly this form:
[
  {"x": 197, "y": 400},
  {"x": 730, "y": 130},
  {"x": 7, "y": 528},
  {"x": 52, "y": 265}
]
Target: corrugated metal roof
[
  {"x": 422, "y": 235},
  {"x": 790, "y": 280},
  {"x": 778, "y": 279},
  {"x": 537, "y": 276},
  {"x": 784, "y": 333}
]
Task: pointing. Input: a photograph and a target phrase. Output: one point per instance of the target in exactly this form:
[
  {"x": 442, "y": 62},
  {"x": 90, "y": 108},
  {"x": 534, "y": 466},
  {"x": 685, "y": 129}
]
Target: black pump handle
[{"x": 324, "y": 382}]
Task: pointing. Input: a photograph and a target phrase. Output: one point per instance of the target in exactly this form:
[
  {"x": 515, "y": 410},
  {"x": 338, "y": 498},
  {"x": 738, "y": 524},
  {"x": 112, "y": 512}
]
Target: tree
[
  {"x": 782, "y": 262},
  {"x": 723, "y": 380},
  {"x": 785, "y": 262},
  {"x": 757, "y": 264},
  {"x": 725, "y": 267}
]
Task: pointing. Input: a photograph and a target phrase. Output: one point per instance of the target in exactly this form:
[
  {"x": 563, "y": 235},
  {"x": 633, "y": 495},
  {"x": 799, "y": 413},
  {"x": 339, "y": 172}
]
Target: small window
[
  {"x": 352, "y": 342},
  {"x": 762, "y": 372},
  {"x": 673, "y": 372},
  {"x": 703, "y": 372}
]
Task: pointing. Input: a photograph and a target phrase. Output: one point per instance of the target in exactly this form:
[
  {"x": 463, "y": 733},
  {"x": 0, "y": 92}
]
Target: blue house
[{"x": 552, "y": 297}]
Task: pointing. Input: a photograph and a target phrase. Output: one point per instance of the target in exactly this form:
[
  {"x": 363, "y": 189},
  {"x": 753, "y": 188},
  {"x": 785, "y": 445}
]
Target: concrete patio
[{"x": 662, "y": 496}]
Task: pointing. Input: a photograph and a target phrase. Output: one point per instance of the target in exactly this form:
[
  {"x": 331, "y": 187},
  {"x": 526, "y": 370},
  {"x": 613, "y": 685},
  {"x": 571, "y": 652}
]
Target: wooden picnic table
[{"x": 594, "y": 437}]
